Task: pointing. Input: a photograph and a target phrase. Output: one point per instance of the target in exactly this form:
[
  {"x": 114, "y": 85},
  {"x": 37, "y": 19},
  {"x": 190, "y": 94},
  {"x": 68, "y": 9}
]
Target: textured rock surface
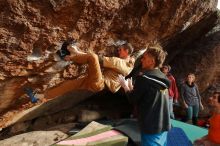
[
  {"x": 198, "y": 51},
  {"x": 36, "y": 28},
  {"x": 38, "y": 138},
  {"x": 32, "y": 31}
]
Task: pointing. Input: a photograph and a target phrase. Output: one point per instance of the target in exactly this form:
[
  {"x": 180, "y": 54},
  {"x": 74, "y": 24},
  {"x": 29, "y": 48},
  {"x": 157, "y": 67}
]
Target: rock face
[
  {"x": 38, "y": 138},
  {"x": 198, "y": 53},
  {"x": 32, "y": 31}
]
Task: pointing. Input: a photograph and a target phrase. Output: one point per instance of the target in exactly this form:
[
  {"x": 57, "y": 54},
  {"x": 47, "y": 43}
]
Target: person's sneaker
[{"x": 29, "y": 91}]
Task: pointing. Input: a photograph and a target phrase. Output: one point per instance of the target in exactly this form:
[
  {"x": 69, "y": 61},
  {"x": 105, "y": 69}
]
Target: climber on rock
[{"x": 96, "y": 80}]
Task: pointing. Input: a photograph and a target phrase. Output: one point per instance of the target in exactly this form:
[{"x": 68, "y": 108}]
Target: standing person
[
  {"x": 150, "y": 94},
  {"x": 96, "y": 80},
  {"x": 213, "y": 137},
  {"x": 191, "y": 98},
  {"x": 173, "y": 91}
]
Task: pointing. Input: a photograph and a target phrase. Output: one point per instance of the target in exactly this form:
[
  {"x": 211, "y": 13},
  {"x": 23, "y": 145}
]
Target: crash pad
[
  {"x": 177, "y": 137},
  {"x": 95, "y": 134},
  {"x": 191, "y": 131}
]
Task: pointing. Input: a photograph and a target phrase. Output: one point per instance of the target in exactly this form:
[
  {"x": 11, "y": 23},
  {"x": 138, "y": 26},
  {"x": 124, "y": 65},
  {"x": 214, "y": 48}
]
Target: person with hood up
[{"x": 150, "y": 94}]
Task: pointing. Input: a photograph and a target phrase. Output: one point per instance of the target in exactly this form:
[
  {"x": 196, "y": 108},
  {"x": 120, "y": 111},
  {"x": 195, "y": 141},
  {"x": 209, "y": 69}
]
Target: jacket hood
[{"x": 158, "y": 77}]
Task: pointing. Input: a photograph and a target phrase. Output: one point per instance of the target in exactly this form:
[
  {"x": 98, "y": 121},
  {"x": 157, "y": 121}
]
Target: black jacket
[{"x": 150, "y": 95}]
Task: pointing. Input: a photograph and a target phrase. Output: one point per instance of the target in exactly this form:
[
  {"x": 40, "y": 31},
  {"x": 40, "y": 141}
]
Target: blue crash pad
[
  {"x": 191, "y": 131},
  {"x": 177, "y": 137}
]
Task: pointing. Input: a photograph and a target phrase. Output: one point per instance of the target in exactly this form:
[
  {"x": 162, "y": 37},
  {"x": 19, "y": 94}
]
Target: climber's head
[{"x": 125, "y": 50}]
